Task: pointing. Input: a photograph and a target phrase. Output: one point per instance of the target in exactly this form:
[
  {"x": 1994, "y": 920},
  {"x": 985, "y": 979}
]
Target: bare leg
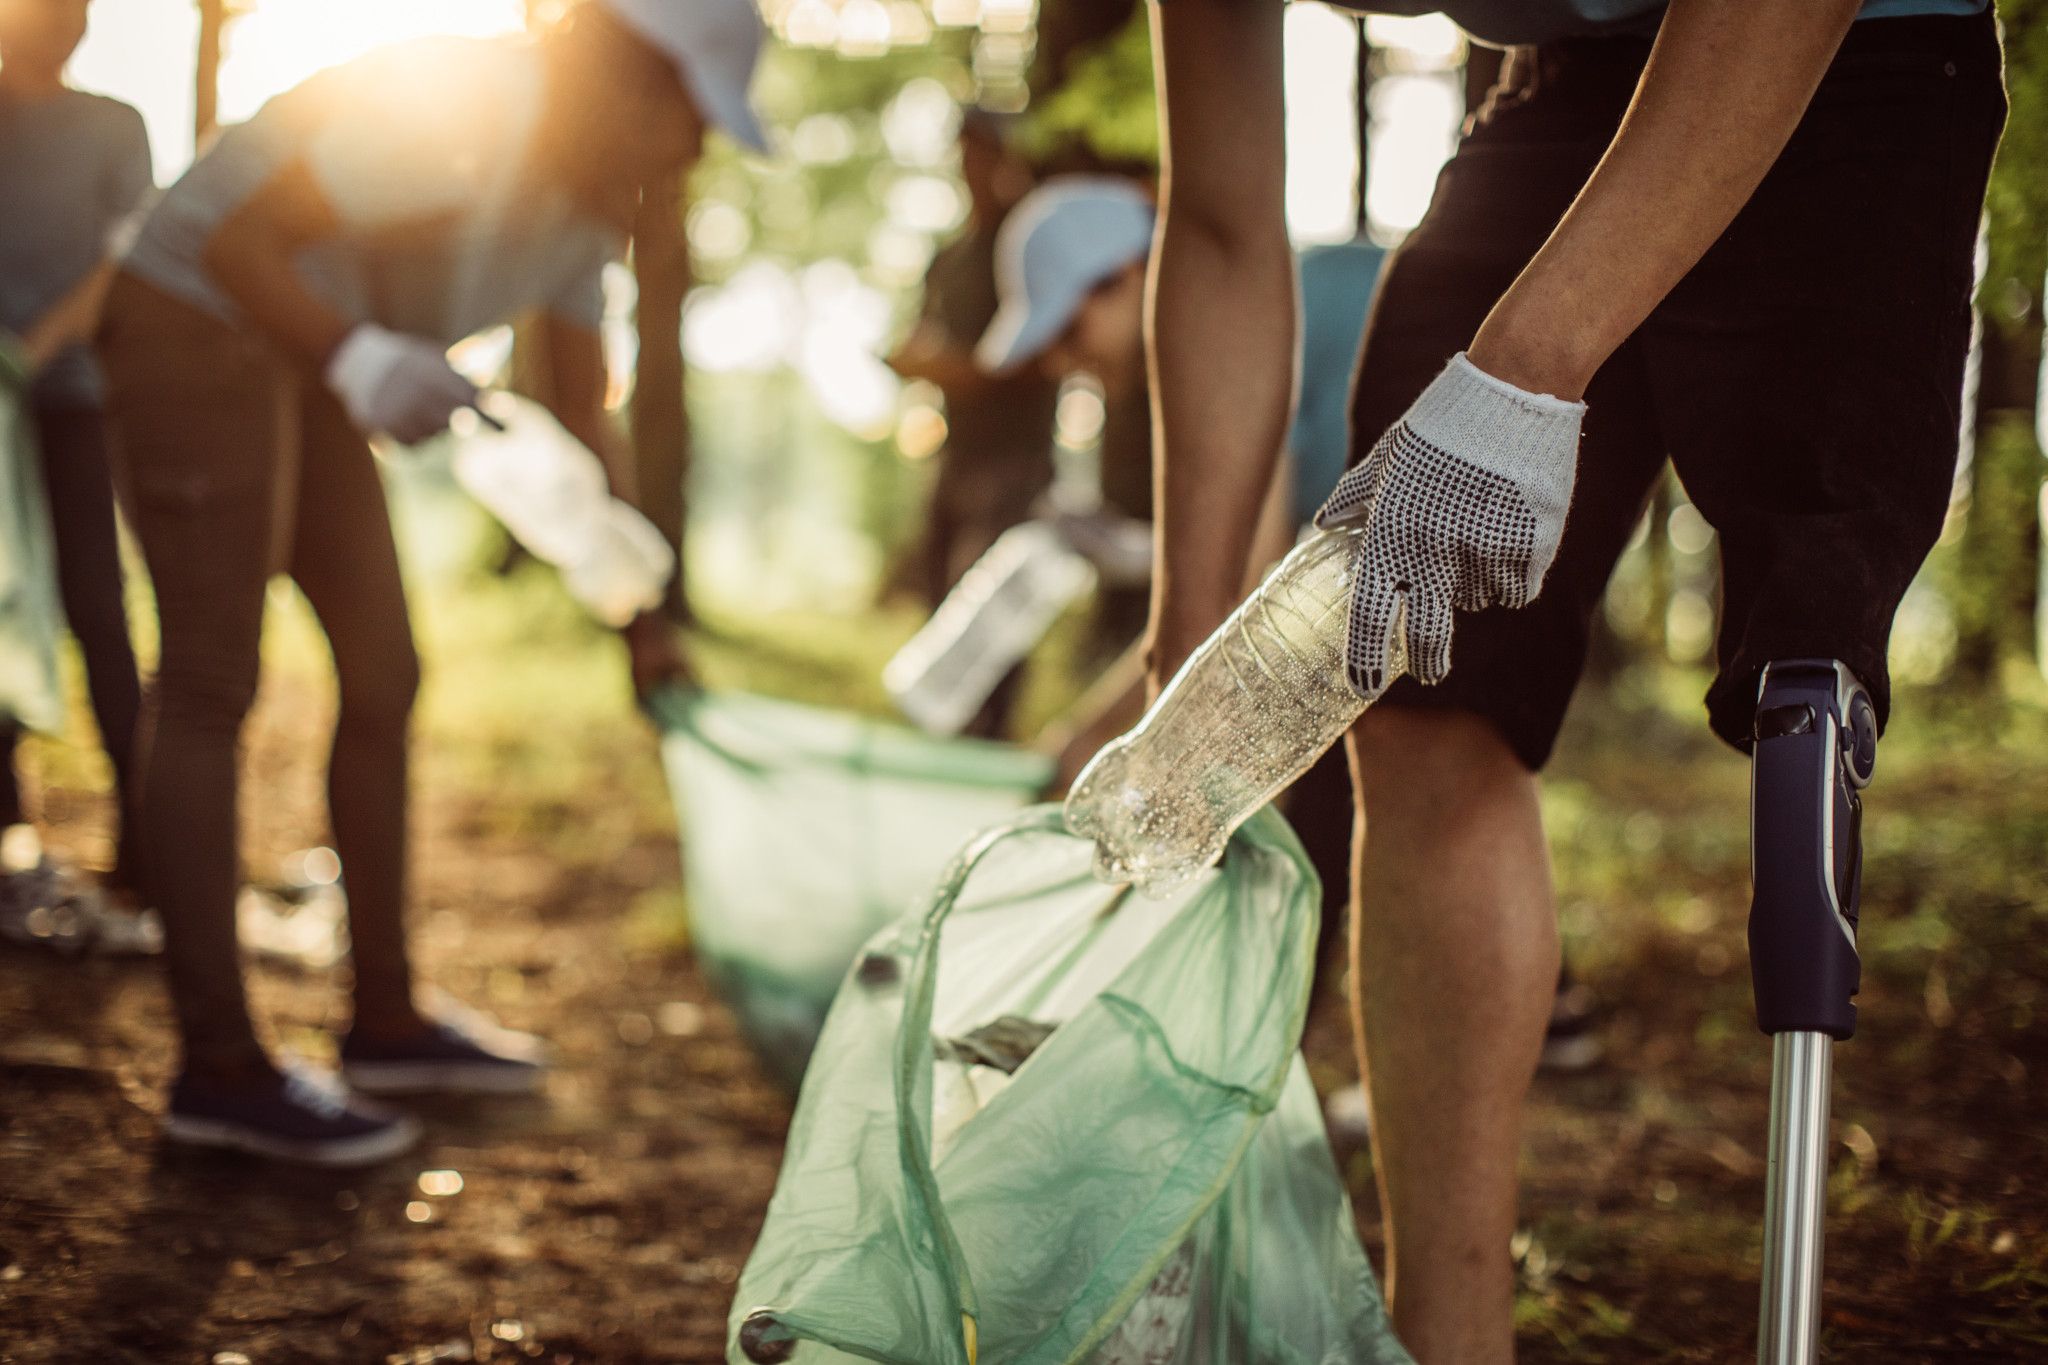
[{"x": 1455, "y": 956}]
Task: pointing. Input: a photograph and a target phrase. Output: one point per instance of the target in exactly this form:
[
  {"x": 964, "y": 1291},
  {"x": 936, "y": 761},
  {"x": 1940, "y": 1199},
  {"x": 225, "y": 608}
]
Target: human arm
[
  {"x": 1220, "y": 325},
  {"x": 578, "y": 382},
  {"x": 1113, "y": 703},
  {"x": 934, "y": 350},
  {"x": 67, "y": 322},
  {"x": 1116, "y": 700},
  {"x": 1464, "y": 500},
  {"x": 1726, "y": 83},
  {"x": 388, "y": 382},
  {"x": 252, "y": 252},
  {"x": 929, "y": 354}
]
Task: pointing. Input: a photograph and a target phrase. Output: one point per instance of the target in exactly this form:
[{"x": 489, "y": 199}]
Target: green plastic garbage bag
[
  {"x": 807, "y": 830},
  {"x": 30, "y": 617},
  {"x": 1149, "y": 1185}
]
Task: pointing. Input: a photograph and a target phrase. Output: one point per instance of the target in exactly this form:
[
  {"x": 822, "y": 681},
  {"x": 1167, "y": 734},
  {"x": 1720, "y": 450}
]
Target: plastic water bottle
[
  {"x": 625, "y": 569},
  {"x": 1253, "y": 708},
  {"x": 998, "y": 613},
  {"x": 549, "y": 490}
]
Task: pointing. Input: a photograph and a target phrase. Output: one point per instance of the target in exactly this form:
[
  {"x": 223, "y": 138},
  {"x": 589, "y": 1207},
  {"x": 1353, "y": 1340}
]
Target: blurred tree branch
[
  {"x": 1995, "y": 584},
  {"x": 661, "y": 422}
]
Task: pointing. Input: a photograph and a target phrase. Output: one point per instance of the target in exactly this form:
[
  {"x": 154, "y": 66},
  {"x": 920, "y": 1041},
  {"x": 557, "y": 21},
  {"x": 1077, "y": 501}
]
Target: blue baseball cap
[
  {"x": 714, "y": 45},
  {"x": 1060, "y": 242}
]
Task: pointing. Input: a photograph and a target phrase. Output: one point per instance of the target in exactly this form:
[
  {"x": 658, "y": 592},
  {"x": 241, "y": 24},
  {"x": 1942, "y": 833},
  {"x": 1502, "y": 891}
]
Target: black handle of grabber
[{"x": 1816, "y": 745}]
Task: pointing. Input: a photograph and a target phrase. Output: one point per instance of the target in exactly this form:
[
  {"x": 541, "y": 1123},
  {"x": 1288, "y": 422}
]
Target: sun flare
[{"x": 276, "y": 44}]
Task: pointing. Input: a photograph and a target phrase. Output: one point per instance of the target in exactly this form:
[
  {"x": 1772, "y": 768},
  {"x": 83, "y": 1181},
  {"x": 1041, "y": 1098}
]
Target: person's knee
[
  {"x": 210, "y": 695},
  {"x": 1410, "y": 759}
]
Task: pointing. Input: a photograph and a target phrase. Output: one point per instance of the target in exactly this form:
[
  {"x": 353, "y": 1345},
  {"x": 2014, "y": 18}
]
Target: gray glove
[
  {"x": 1462, "y": 503},
  {"x": 399, "y": 385}
]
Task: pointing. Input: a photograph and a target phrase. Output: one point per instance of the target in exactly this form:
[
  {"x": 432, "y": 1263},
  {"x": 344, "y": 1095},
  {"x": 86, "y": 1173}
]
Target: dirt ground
[{"x": 608, "y": 1221}]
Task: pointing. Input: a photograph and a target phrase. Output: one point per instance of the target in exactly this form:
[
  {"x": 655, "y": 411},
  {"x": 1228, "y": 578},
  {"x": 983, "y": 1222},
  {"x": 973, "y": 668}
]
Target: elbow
[{"x": 1231, "y": 232}]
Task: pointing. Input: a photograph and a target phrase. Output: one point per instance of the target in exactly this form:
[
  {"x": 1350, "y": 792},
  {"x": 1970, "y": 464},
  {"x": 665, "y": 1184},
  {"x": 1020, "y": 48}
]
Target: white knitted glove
[
  {"x": 396, "y": 384},
  {"x": 1462, "y": 503}
]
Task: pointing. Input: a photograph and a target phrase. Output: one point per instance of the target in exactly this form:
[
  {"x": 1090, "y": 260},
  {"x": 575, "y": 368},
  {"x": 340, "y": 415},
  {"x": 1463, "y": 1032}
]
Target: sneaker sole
[
  {"x": 443, "y": 1078},
  {"x": 367, "y": 1150}
]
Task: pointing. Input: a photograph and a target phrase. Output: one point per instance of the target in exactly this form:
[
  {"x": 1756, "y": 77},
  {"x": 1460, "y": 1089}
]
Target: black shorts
[{"x": 1805, "y": 378}]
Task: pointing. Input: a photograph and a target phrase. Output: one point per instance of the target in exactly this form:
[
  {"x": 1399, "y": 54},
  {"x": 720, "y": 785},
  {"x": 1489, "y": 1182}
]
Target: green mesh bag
[
  {"x": 1054, "y": 1121},
  {"x": 30, "y": 617},
  {"x": 805, "y": 831}
]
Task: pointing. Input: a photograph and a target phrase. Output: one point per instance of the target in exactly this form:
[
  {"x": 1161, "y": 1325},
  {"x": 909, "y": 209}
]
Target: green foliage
[
  {"x": 827, "y": 195},
  {"x": 812, "y": 203},
  {"x": 1990, "y": 578},
  {"x": 1106, "y": 106},
  {"x": 2017, "y": 204}
]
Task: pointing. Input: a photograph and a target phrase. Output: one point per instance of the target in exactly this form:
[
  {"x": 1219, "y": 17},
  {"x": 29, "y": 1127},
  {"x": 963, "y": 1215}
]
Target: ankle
[
  {"x": 385, "y": 1024},
  {"x": 232, "y": 1074}
]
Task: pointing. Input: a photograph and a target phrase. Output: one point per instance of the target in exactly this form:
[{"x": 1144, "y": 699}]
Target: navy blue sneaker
[
  {"x": 461, "y": 1053},
  {"x": 308, "y": 1117}
]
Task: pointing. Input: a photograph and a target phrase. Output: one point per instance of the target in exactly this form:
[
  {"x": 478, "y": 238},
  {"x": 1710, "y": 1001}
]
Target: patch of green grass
[{"x": 1581, "y": 1324}]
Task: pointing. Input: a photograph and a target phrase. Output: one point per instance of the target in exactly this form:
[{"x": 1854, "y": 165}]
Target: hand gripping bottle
[{"x": 1247, "y": 714}]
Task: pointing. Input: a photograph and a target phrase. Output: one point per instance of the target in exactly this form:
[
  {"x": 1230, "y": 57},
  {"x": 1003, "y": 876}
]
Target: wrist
[
  {"x": 1493, "y": 420},
  {"x": 649, "y": 626},
  {"x": 1537, "y": 360}
]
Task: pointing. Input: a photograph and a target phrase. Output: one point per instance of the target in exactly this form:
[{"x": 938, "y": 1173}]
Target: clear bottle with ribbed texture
[
  {"x": 1248, "y": 713},
  {"x": 987, "y": 625}
]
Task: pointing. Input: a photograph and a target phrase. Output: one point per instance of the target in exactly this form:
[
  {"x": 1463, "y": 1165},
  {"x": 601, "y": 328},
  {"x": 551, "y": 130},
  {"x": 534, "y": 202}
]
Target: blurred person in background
[
  {"x": 74, "y": 168},
  {"x": 1735, "y": 233},
  {"x": 996, "y": 462},
  {"x": 292, "y": 296}
]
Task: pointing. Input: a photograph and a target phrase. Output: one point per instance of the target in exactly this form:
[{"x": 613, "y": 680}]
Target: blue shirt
[
  {"x": 1336, "y": 290},
  {"x": 1509, "y": 23},
  {"x": 424, "y": 150},
  {"x": 73, "y": 168}
]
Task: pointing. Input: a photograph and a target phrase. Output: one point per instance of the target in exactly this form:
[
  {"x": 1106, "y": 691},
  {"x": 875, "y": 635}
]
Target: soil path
[{"x": 608, "y": 1222}]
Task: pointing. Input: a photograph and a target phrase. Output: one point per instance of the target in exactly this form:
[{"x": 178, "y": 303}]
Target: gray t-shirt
[
  {"x": 425, "y": 151},
  {"x": 72, "y": 169}
]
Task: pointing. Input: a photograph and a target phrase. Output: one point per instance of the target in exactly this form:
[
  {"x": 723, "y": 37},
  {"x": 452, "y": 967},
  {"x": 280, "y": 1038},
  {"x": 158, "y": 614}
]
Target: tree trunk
[
  {"x": 2000, "y": 549},
  {"x": 1999, "y": 556},
  {"x": 661, "y": 423},
  {"x": 213, "y": 17},
  {"x": 1362, "y": 111}
]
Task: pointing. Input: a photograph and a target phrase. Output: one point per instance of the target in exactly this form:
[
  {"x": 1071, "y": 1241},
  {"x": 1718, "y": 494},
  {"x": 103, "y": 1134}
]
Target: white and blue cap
[
  {"x": 1060, "y": 242},
  {"x": 715, "y": 45}
]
